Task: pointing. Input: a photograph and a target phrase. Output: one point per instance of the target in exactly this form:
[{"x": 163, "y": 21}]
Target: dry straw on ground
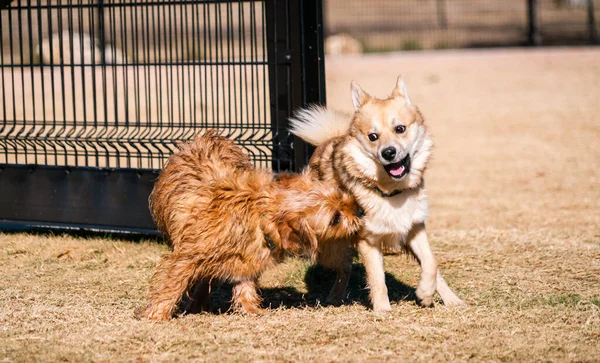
[{"x": 515, "y": 224}]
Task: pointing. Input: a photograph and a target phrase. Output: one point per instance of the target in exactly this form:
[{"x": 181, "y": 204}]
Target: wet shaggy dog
[
  {"x": 379, "y": 155},
  {"x": 228, "y": 221}
]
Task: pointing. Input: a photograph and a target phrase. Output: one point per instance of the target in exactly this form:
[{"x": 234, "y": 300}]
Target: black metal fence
[
  {"x": 388, "y": 25},
  {"x": 96, "y": 94}
]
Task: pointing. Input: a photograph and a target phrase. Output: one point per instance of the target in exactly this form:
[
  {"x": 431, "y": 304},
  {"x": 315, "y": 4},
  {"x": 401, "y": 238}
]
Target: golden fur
[
  {"x": 378, "y": 154},
  {"x": 228, "y": 221}
]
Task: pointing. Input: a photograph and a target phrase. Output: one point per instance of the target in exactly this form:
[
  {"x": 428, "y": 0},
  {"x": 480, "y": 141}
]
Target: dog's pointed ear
[
  {"x": 400, "y": 90},
  {"x": 359, "y": 96}
]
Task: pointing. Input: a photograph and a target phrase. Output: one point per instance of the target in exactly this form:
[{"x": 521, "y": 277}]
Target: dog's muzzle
[
  {"x": 400, "y": 169},
  {"x": 389, "y": 153}
]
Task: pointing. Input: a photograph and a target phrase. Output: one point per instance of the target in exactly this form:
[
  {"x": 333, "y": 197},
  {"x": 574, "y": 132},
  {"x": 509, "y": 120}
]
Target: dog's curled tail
[{"x": 316, "y": 124}]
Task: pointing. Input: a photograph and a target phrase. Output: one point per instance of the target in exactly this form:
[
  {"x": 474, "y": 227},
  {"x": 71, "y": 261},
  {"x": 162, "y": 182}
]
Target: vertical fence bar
[
  {"x": 296, "y": 72},
  {"x": 533, "y": 35},
  {"x": 279, "y": 60},
  {"x": 101, "y": 35},
  {"x": 442, "y": 14},
  {"x": 593, "y": 31},
  {"x": 295, "y": 88},
  {"x": 313, "y": 67}
]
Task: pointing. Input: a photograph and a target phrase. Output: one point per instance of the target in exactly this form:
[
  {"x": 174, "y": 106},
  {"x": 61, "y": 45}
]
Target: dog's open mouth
[{"x": 399, "y": 169}]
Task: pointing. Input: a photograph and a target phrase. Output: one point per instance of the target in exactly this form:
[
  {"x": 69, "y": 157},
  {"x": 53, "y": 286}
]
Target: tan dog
[
  {"x": 228, "y": 221},
  {"x": 379, "y": 155}
]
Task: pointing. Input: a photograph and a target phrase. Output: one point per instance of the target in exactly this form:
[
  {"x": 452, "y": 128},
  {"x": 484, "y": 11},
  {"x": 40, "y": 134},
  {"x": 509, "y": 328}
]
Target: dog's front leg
[
  {"x": 342, "y": 277},
  {"x": 337, "y": 255},
  {"x": 245, "y": 297},
  {"x": 419, "y": 245},
  {"x": 448, "y": 296},
  {"x": 372, "y": 259}
]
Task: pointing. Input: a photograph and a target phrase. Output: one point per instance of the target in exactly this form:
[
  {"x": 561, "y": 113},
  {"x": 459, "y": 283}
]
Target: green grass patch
[
  {"x": 564, "y": 299},
  {"x": 296, "y": 276}
]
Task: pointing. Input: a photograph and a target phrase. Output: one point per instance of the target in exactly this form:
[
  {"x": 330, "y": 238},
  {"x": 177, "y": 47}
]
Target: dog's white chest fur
[{"x": 389, "y": 219}]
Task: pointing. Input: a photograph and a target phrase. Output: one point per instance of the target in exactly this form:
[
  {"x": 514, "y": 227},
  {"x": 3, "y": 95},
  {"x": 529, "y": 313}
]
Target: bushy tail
[{"x": 316, "y": 124}]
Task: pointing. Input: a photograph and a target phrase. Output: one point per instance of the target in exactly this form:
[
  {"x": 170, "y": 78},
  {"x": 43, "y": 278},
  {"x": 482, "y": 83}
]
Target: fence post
[
  {"x": 296, "y": 72},
  {"x": 312, "y": 73},
  {"x": 534, "y": 36},
  {"x": 442, "y": 14},
  {"x": 280, "y": 59},
  {"x": 593, "y": 31}
]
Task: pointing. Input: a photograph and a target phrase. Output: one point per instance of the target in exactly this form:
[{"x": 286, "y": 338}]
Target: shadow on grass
[{"x": 318, "y": 281}]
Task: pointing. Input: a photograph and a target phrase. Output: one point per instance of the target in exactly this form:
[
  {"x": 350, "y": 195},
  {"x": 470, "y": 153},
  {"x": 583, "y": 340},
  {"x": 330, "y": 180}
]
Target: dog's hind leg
[
  {"x": 245, "y": 297},
  {"x": 175, "y": 274},
  {"x": 419, "y": 246},
  {"x": 372, "y": 259}
]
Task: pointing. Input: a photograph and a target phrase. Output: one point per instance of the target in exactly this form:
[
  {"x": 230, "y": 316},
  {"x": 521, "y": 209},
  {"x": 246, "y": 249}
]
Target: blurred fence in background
[{"x": 389, "y": 25}]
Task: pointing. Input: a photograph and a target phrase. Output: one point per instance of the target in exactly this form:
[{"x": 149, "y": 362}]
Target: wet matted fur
[
  {"x": 378, "y": 154},
  {"x": 228, "y": 221}
]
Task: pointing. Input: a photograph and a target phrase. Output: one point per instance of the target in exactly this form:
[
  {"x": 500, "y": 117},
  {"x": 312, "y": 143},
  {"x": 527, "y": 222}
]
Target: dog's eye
[
  {"x": 373, "y": 137},
  {"x": 336, "y": 218},
  {"x": 400, "y": 129}
]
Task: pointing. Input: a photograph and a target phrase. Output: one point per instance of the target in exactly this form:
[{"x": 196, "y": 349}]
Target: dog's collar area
[{"x": 393, "y": 193}]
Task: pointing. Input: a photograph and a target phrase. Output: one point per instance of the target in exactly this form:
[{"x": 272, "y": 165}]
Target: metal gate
[{"x": 95, "y": 95}]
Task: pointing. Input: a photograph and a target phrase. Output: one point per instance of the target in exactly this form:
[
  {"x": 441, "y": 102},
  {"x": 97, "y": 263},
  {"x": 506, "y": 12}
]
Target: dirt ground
[{"x": 515, "y": 224}]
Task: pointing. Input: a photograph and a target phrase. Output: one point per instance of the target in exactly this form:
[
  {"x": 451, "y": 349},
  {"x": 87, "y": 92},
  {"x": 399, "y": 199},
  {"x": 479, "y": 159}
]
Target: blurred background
[
  {"x": 354, "y": 26},
  {"x": 350, "y": 26}
]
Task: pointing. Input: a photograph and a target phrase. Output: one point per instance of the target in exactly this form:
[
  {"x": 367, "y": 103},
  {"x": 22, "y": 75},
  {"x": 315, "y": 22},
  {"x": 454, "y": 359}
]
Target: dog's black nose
[
  {"x": 359, "y": 211},
  {"x": 389, "y": 153}
]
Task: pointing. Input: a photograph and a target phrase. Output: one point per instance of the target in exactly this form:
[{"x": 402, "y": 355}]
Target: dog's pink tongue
[{"x": 397, "y": 171}]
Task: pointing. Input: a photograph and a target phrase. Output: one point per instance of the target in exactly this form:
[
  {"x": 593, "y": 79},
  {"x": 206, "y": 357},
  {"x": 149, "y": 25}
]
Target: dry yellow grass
[{"x": 515, "y": 225}]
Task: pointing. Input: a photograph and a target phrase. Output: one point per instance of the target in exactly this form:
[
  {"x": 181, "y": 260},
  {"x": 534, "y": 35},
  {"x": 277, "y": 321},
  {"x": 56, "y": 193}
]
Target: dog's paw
[
  {"x": 139, "y": 314},
  {"x": 455, "y": 302},
  {"x": 152, "y": 314},
  {"x": 423, "y": 299},
  {"x": 334, "y": 301},
  {"x": 142, "y": 313},
  {"x": 251, "y": 310},
  {"x": 426, "y": 302},
  {"x": 197, "y": 307},
  {"x": 382, "y": 307}
]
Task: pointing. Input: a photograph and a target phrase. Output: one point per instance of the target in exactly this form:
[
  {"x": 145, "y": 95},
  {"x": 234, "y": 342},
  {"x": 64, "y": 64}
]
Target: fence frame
[{"x": 116, "y": 199}]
